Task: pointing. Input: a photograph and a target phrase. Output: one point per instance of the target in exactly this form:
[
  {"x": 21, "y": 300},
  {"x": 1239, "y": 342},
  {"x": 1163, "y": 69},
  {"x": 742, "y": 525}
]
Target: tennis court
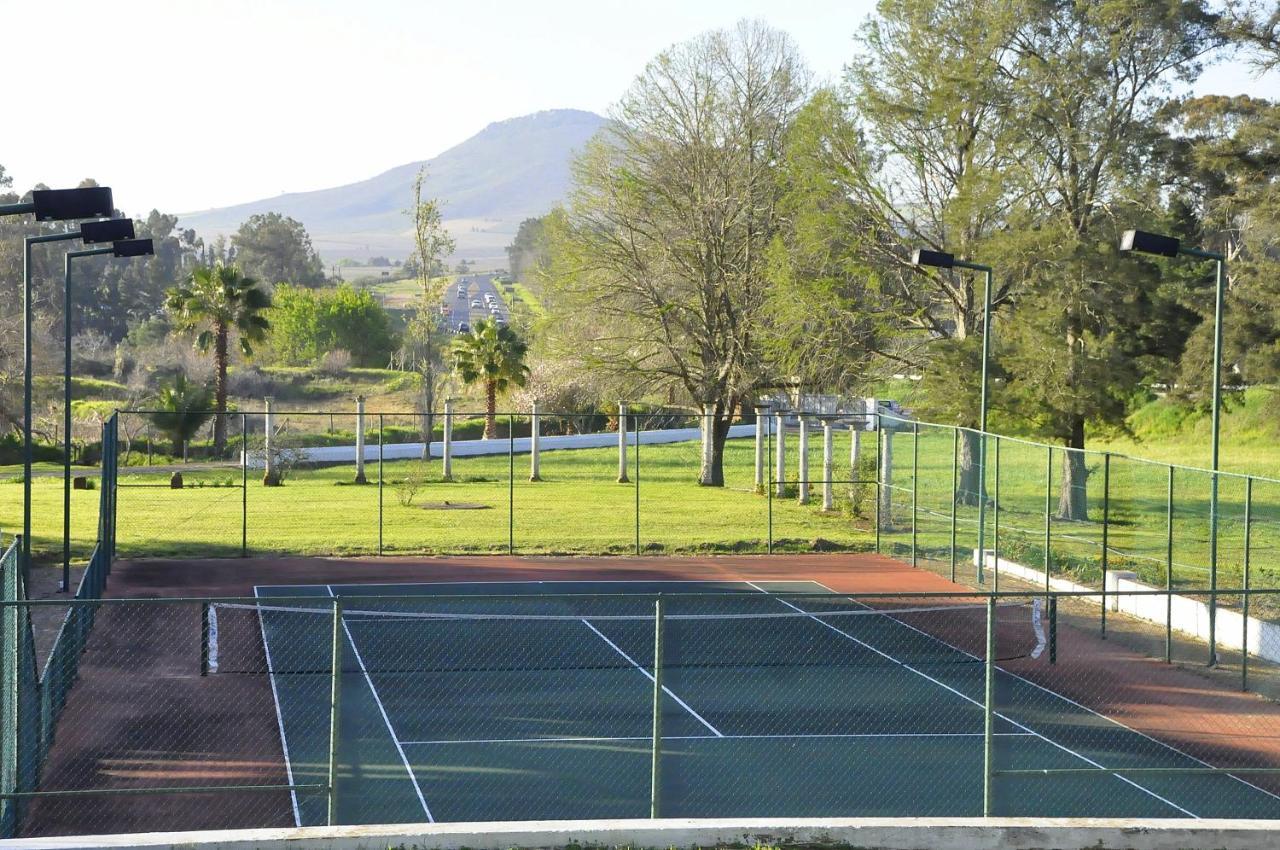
[{"x": 535, "y": 700}]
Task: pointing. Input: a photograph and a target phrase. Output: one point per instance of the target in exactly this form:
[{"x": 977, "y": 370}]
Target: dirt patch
[{"x": 454, "y": 506}]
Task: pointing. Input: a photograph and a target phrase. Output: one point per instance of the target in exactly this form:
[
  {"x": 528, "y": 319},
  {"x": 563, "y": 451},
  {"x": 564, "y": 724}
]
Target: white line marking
[
  {"x": 777, "y": 737},
  {"x": 970, "y": 699},
  {"x": 387, "y": 720},
  {"x": 1083, "y": 707},
  {"x": 649, "y": 676},
  {"x": 275, "y": 698}
]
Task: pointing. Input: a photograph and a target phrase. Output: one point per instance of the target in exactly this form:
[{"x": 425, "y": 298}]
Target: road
[{"x": 461, "y": 309}]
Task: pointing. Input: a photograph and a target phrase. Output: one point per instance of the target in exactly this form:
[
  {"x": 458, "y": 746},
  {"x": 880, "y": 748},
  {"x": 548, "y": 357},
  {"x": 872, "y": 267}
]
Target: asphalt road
[{"x": 461, "y": 309}]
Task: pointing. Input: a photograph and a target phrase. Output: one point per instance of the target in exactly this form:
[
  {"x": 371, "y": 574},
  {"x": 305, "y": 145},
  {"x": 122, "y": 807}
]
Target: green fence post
[
  {"x": 995, "y": 521},
  {"x": 511, "y": 483},
  {"x": 381, "y": 429},
  {"x": 635, "y": 424},
  {"x": 335, "y": 698},
  {"x": 1048, "y": 514},
  {"x": 769, "y": 492},
  {"x": 1168, "y": 572},
  {"x": 879, "y": 484},
  {"x": 915, "y": 482},
  {"x": 988, "y": 712},
  {"x": 1106, "y": 540},
  {"x": 955, "y": 483},
  {"x": 655, "y": 765},
  {"x": 9, "y": 660},
  {"x": 1244, "y": 601},
  {"x": 244, "y": 485}
]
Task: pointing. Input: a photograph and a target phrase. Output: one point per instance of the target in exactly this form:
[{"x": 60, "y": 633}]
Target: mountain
[{"x": 507, "y": 172}]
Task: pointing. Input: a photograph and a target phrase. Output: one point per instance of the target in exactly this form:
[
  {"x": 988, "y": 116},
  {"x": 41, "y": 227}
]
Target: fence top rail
[{"x": 508, "y": 597}]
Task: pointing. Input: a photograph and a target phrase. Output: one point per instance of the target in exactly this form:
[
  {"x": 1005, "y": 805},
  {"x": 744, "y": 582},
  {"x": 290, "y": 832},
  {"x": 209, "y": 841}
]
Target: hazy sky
[{"x": 235, "y": 100}]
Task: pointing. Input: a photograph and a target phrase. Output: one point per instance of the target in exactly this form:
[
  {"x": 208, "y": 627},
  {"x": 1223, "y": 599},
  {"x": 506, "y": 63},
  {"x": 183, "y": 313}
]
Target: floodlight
[
  {"x": 132, "y": 247},
  {"x": 108, "y": 230},
  {"x": 64, "y": 204},
  {"x": 938, "y": 259},
  {"x": 1149, "y": 243}
]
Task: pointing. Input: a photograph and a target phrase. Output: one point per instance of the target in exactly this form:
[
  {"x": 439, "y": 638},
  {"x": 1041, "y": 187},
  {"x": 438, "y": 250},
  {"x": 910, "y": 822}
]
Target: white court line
[
  {"x": 1083, "y": 707},
  {"x": 387, "y": 720},
  {"x": 275, "y": 698},
  {"x": 778, "y": 737},
  {"x": 970, "y": 699},
  {"x": 649, "y": 676}
]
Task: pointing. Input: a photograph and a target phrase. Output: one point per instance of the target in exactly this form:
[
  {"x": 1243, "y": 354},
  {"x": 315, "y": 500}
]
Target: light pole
[
  {"x": 943, "y": 260},
  {"x": 118, "y": 231},
  {"x": 48, "y": 205},
  {"x": 1167, "y": 246}
]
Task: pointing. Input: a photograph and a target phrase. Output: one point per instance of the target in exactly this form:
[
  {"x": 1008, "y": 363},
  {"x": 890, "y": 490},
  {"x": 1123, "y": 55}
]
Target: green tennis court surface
[{"x": 534, "y": 700}]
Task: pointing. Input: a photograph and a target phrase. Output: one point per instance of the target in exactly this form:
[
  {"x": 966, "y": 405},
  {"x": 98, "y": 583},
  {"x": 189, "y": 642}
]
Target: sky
[{"x": 193, "y": 104}]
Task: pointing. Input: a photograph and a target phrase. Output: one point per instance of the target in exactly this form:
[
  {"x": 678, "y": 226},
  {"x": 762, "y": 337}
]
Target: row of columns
[{"x": 803, "y": 481}]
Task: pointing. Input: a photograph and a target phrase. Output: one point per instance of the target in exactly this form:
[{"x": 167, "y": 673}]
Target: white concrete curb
[{"x": 885, "y": 833}]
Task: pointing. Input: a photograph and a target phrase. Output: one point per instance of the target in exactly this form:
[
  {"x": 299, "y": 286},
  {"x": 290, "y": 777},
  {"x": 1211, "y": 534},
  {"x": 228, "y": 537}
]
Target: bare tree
[
  {"x": 659, "y": 267},
  {"x": 424, "y": 343}
]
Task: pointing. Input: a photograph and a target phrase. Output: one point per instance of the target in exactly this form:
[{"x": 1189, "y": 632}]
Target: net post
[
  {"x": 381, "y": 430},
  {"x": 1244, "y": 599},
  {"x": 955, "y": 483},
  {"x": 1106, "y": 538},
  {"x": 244, "y": 485},
  {"x": 1168, "y": 572},
  {"x": 335, "y": 694},
  {"x": 655, "y": 764},
  {"x": 204, "y": 638},
  {"x": 988, "y": 711},
  {"x": 1048, "y": 513},
  {"x": 915, "y": 486}
]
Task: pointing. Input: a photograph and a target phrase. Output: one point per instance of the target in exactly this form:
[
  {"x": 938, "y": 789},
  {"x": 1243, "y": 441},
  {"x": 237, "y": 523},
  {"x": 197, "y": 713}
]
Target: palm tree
[
  {"x": 215, "y": 300},
  {"x": 494, "y": 356},
  {"x": 181, "y": 411}
]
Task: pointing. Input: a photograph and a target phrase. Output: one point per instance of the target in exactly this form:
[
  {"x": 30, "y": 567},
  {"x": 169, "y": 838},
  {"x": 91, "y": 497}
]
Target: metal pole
[
  {"x": 1244, "y": 600},
  {"x": 66, "y": 423},
  {"x": 27, "y": 367},
  {"x": 988, "y": 712},
  {"x": 769, "y": 493},
  {"x": 915, "y": 482},
  {"x": 1219, "y": 286},
  {"x": 1048, "y": 514},
  {"x": 636, "y": 420},
  {"x": 335, "y": 699},
  {"x": 381, "y": 429},
  {"x": 511, "y": 482},
  {"x": 1168, "y": 572},
  {"x": 1106, "y": 538},
  {"x": 982, "y": 425},
  {"x": 244, "y": 485},
  {"x": 879, "y": 483},
  {"x": 655, "y": 765},
  {"x": 955, "y": 481},
  {"x": 995, "y": 520}
]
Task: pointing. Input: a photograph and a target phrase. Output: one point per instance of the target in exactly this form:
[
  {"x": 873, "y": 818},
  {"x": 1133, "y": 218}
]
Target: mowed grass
[{"x": 492, "y": 507}]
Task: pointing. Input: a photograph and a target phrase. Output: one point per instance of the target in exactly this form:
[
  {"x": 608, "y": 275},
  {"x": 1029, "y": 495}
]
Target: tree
[
  {"x": 306, "y": 324},
  {"x": 1255, "y": 24},
  {"x": 1086, "y": 77},
  {"x": 276, "y": 249},
  {"x": 528, "y": 250},
  {"x": 659, "y": 268},
  {"x": 215, "y": 301},
  {"x": 182, "y": 408},
  {"x": 493, "y": 356},
  {"x": 432, "y": 243}
]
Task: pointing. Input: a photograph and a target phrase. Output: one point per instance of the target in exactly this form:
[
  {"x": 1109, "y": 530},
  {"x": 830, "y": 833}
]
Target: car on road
[
  {"x": 464, "y": 328},
  {"x": 475, "y": 303}
]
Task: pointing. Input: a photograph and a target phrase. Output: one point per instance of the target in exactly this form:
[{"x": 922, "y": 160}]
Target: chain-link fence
[{"x": 319, "y": 704}]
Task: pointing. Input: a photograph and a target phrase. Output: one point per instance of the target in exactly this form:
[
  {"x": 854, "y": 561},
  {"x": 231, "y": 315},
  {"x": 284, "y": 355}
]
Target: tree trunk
[
  {"x": 1073, "y": 498},
  {"x": 179, "y": 448},
  {"x": 491, "y": 410},
  {"x": 971, "y": 487},
  {"x": 711, "y": 473},
  {"x": 220, "y": 390}
]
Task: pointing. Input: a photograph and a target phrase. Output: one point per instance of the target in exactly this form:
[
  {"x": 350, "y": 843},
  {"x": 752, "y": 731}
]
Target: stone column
[
  {"x": 360, "y": 479},
  {"x": 535, "y": 470},
  {"x": 446, "y": 470},
  {"x": 780, "y": 455},
  {"x": 622, "y": 443},
  {"x": 886, "y": 475},
  {"x": 270, "y": 475},
  {"x": 828, "y": 486},
  {"x": 803, "y": 466},
  {"x": 762, "y": 422}
]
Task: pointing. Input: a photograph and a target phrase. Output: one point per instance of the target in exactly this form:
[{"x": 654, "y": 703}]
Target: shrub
[{"x": 334, "y": 362}]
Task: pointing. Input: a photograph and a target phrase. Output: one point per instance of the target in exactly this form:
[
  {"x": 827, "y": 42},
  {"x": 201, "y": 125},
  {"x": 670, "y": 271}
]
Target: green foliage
[
  {"x": 277, "y": 249},
  {"x": 181, "y": 409},
  {"x": 494, "y": 357},
  {"x": 308, "y": 323}
]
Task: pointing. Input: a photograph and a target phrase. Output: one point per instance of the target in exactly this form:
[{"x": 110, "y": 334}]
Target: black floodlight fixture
[
  {"x": 937, "y": 259},
  {"x": 1149, "y": 243},
  {"x": 65, "y": 204},
  {"x": 107, "y": 230},
  {"x": 133, "y": 248}
]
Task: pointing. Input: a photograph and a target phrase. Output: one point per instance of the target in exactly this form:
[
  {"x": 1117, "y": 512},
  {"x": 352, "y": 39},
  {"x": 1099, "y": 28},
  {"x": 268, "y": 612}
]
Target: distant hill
[{"x": 507, "y": 172}]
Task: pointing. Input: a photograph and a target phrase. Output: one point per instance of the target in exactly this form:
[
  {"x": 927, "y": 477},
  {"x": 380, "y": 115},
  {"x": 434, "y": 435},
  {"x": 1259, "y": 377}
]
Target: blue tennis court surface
[{"x": 534, "y": 700}]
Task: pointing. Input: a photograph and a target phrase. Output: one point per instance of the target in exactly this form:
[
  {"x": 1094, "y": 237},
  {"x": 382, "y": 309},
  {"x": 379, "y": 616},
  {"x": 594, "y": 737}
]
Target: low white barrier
[
  {"x": 1188, "y": 616},
  {"x": 500, "y": 446}
]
